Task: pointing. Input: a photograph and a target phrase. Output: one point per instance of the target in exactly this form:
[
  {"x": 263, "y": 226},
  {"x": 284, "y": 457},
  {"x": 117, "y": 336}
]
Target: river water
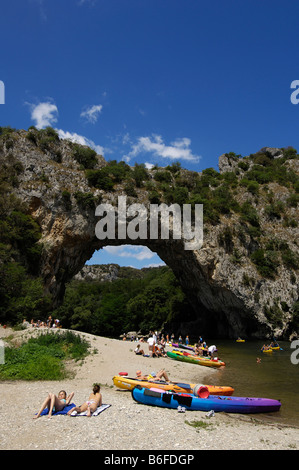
[{"x": 275, "y": 377}]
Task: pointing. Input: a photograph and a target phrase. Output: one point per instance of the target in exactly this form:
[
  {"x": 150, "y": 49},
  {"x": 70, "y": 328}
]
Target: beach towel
[
  {"x": 95, "y": 413},
  {"x": 62, "y": 412}
]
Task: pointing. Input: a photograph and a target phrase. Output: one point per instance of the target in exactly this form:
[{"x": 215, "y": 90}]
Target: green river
[{"x": 274, "y": 377}]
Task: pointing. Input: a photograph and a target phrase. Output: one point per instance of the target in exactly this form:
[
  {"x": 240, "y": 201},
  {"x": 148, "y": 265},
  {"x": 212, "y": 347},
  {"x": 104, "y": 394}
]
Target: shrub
[
  {"x": 275, "y": 210},
  {"x": 174, "y": 167},
  {"x": 130, "y": 189},
  {"x": 118, "y": 170},
  {"x": 154, "y": 197},
  {"x": 140, "y": 174},
  {"x": 290, "y": 259},
  {"x": 252, "y": 186},
  {"x": 100, "y": 179},
  {"x": 293, "y": 200},
  {"x": 274, "y": 314},
  {"x": 85, "y": 200},
  {"x": 243, "y": 165},
  {"x": 266, "y": 262},
  {"x": 42, "y": 358},
  {"x": 289, "y": 153},
  {"x": 249, "y": 214},
  {"x": 85, "y": 156},
  {"x": 177, "y": 195},
  {"x": 163, "y": 176}
]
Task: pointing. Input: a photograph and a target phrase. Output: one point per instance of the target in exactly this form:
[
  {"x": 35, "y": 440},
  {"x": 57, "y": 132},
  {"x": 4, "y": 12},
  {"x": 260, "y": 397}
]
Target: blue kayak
[{"x": 213, "y": 402}]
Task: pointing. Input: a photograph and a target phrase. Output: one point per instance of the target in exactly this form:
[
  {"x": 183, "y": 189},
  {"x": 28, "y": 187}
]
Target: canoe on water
[
  {"x": 128, "y": 383},
  {"x": 215, "y": 402},
  {"x": 200, "y": 360}
]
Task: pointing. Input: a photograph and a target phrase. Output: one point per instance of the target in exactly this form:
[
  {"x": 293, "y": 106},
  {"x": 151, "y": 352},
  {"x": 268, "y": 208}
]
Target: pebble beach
[{"x": 125, "y": 425}]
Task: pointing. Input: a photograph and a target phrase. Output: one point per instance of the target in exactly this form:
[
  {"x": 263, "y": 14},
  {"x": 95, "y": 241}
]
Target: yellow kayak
[
  {"x": 128, "y": 383},
  {"x": 267, "y": 351}
]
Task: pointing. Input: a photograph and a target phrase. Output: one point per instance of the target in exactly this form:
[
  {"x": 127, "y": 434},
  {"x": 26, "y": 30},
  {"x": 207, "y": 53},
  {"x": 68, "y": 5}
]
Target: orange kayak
[{"x": 128, "y": 383}]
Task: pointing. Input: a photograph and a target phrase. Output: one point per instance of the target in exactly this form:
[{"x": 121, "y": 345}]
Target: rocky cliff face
[{"x": 242, "y": 282}]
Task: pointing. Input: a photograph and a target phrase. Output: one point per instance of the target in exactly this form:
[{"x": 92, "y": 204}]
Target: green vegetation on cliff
[
  {"x": 21, "y": 290},
  {"x": 251, "y": 205}
]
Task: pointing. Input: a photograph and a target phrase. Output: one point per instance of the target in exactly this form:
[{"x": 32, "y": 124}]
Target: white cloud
[
  {"x": 148, "y": 165},
  {"x": 91, "y": 113},
  {"x": 44, "y": 114},
  {"x": 177, "y": 150},
  {"x": 80, "y": 139},
  {"x": 155, "y": 265},
  {"x": 130, "y": 251}
]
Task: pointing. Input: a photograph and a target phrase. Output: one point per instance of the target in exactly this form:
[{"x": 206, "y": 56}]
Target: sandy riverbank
[{"x": 126, "y": 425}]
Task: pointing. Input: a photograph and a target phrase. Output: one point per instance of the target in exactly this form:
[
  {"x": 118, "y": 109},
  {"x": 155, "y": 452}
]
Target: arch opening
[{"x": 214, "y": 310}]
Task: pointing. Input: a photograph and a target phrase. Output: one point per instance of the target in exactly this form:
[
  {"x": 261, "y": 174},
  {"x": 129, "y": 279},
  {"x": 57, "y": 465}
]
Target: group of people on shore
[
  {"x": 56, "y": 403},
  {"x": 156, "y": 347},
  {"x": 157, "y": 344},
  {"x": 202, "y": 349},
  {"x": 49, "y": 323}
]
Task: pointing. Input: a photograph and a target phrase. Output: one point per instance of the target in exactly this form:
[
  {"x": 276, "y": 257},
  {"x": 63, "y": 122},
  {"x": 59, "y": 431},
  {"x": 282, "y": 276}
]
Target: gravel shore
[{"x": 125, "y": 425}]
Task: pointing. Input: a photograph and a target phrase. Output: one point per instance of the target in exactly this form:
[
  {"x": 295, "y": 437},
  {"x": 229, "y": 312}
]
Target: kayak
[
  {"x": 200, "y": 360},
  {"x": 182, "y": 346},
  {"x": 267, "y": 351},
  {"x": 217, "y": 403},
  {"x": 128, "y": 383},
  {"x": 240, "y": 340}
]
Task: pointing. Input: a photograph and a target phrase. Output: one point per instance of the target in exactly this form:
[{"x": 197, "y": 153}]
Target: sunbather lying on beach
[
  {"x": 94, "y": 400},
  {"x": 153, "y": 376},
  {"x": 54, "y": 403}
]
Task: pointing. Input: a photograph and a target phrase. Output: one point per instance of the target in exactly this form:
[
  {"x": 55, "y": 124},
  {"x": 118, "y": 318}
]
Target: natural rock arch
[{"x": 50, "y": 184}]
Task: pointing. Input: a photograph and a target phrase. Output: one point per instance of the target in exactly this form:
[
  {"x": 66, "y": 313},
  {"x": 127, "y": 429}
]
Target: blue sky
[{"x": 153, "y": 81}]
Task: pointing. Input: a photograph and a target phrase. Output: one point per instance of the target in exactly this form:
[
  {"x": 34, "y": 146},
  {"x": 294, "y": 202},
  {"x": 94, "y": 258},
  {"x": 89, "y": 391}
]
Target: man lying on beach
[{"x": 153, "y": 376}]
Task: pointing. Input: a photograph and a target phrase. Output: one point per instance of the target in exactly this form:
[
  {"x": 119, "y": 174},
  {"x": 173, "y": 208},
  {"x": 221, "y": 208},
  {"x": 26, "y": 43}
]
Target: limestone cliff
[{"x": 244, "y": 279}]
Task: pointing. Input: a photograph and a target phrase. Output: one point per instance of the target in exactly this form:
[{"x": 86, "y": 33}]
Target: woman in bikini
[
  {"x": 94, "y": 400},
  {"x": 55, "y": 403}
]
